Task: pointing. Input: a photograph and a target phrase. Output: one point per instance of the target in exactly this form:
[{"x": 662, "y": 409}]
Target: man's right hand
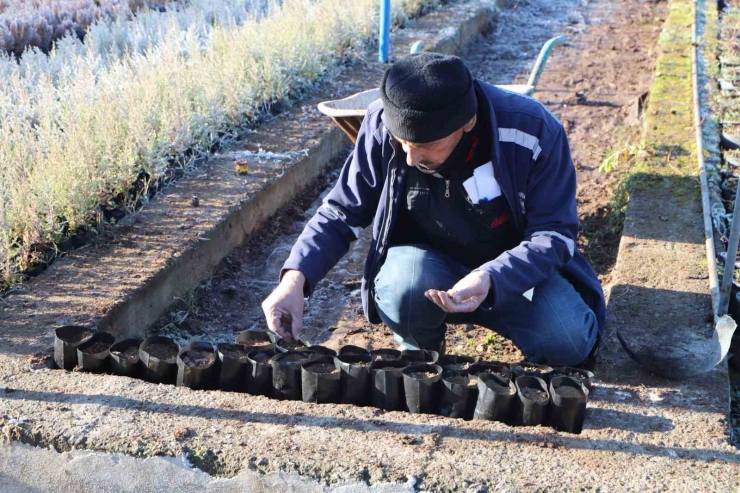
[{"x": 286, "y": 302}]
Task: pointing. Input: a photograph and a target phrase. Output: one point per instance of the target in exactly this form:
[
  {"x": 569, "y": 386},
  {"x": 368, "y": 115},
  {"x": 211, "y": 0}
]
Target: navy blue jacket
[{"x": 532, "y": 163}]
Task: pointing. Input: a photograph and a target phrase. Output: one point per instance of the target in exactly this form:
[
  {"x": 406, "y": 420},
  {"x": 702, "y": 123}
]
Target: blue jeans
[{"x": 556, "y": 327}]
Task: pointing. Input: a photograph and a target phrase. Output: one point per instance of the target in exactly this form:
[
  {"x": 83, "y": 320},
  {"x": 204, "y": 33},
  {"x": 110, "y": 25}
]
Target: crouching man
[{"x": 470, "y": 190}]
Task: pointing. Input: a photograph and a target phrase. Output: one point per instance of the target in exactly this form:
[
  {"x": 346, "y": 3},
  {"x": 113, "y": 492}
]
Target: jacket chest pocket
[{"x": 492, "y": 220}]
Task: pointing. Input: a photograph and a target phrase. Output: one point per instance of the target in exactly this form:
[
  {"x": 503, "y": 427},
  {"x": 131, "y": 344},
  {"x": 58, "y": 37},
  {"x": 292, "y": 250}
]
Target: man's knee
[
  {"x": 568, "y": 345},
  {"x": 557, "y": 327},
  {"x": 400, "y": 286}
]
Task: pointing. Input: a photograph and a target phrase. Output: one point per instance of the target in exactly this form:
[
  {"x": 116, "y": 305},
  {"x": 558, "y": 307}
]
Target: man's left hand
[{"x": 465, "y": 296}]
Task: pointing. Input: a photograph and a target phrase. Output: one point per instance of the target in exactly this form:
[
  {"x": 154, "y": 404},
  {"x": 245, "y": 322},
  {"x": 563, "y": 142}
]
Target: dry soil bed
[{"x": 592, "y": 85}]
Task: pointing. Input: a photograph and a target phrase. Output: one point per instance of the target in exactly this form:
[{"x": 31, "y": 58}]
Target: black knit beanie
[{"x": 427, "y": 96}]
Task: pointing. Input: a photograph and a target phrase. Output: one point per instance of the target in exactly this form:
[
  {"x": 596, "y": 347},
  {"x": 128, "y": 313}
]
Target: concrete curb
[{"x": 659, "y": 301}]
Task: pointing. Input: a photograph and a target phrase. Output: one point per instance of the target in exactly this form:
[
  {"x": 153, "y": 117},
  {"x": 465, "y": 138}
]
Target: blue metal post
[{"x": 384, "y": 34}]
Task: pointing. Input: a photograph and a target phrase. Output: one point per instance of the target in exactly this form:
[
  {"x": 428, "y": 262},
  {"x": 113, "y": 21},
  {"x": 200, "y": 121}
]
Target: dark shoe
[{"x": 590, "y": 362}]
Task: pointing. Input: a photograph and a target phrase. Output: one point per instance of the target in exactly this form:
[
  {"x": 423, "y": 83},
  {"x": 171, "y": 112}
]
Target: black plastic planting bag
[
  {"x": 387, "y": 384},
  {"x": 583, "y": 376},
  {"x": 526, "y": 369},
  {"x": 534, "y": 400},
  {"x": 234, "y": 366},
  {"x": 158, "y": 355},
  {"x": 286, "y": 374},
  {"x": 568, "y": 410},
  {"x": 355, "y": 370},
  {"x": 259, "y": 378},
  {"x": 92, "y": 355},
  {"x": 197, "y": 366},
  {"x": 496, "y": 398},
  {"x": 321, "y": 381},
  {"x": 385, "y": 354},
  {"x": 124, "y": 357},
  {"x": 415, "y": 356},
  {"x": 66, "y": 340},
  {"x": 350, "y": 349},
  {"x": 459, "y": 394},
  {"x": 421, "y": 385}
]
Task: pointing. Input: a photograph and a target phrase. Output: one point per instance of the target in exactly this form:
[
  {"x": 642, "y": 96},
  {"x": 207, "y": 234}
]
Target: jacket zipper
[
  {"x": 447, "y": 189},
  {"x": 389, "y": 209}
]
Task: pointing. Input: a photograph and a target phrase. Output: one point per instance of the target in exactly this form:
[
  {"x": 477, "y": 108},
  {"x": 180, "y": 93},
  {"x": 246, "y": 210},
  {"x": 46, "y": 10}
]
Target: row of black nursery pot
[{"x": 415, "y": 381}]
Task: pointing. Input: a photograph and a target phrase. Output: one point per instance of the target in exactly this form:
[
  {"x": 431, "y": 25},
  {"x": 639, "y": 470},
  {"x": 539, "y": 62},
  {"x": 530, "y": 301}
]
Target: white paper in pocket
[
  {"x": 488, "y": 187},
  {"x": 472, "y": 189}
]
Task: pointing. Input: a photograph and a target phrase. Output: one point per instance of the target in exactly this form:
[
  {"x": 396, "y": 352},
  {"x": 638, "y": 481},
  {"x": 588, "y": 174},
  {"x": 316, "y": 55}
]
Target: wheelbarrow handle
[{"x": 539, "y": 65}]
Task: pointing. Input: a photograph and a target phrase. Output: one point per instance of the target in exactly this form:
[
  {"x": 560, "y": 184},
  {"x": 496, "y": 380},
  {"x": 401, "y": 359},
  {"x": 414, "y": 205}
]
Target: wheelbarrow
[{"x": 348, "y": 113}]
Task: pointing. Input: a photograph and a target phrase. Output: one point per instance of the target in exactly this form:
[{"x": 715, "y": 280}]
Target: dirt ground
[{"x": 592, "y": 84}]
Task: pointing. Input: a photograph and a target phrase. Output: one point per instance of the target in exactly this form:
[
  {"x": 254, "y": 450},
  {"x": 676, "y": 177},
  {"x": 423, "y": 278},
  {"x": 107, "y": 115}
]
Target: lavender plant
[
  {"x": 38, "y": 23},
  {"x": 78, "y": 125}
]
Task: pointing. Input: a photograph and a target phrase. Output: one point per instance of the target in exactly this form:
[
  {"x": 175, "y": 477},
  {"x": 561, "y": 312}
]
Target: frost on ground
[{"x": 24, "y": 468}]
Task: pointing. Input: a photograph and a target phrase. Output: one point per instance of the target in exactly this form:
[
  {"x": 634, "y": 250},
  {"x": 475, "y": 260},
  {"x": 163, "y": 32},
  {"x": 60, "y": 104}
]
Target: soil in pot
[
  {"x": 355, "y": 368},
  {"x": 568, "y": 409},
  {"x": 95, "y": 348},
  {"x": 286, "y": 374},
  {"x": 259, "y": 376},
  {"x": 583, "y": 376},
  {"x": 321, "y": 381},
  {"x": 66, "y": 340},
  {"x": 233, "y": 351},
  {"x": 290, "y": 344},
  {"x": 525, "y": 368},
  {"x": 130, "y": 354},
  {"x": 453, "y": 362},
  {"x": 420, "y": 356},
  {"x": 533, "y": 400},
  {"x": 262, "y": 356},
  {"x": 502, "y": 370},
  {"x": 458, "y": 395},
  {"x": 254, "y": 338},
  {"x": 198, "y": 359},
  {"x": 386, "y": 354},
  {"x": 158, "y": 355},
  {"x": 162, "y": 351},
  {"x": 196, "y": 366},
  {"x": 387, "y": 390},
  {"x": 496, "y": 398},
  {"x": 350, "y": 349},
  {"x": 421, "y": 386},
  {"x": 536, "y": 395},
  {"x": 92, "y": 355},
  {"x": 124, "y": 358}
]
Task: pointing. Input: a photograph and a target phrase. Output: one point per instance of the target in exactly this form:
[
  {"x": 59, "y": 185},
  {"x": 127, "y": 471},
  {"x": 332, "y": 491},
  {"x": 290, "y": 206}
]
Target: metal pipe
[
  {"x": 384, "y": 33},
  {"x": 729, "y": 271},
  {"x": 717, "y": 305},
  {"x": 539, "y": 65}
]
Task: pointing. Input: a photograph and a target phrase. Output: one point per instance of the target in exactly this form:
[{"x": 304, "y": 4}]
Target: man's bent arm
[
  {"x": 346, "y": 211},
  {"x": 551, "y": 227}
]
